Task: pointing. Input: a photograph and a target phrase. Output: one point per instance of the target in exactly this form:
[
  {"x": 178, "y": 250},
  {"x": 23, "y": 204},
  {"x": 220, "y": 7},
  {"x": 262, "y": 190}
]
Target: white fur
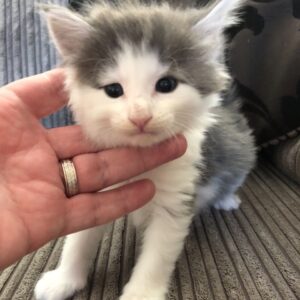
[
  {"x": 162, "y": 243},
  {"x": 205, "y": 193},
  {"x": 167, "y": 217},
  {"x": 182, "y": 111},
  {"x": 229, "y": 203},
  {"x": 71, "y": 275}
]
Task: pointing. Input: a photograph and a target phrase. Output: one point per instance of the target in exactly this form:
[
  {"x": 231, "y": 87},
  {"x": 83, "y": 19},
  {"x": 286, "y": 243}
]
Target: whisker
[
  {"x": 184, "y": 126},
  {"x": 181, "y": 113}
]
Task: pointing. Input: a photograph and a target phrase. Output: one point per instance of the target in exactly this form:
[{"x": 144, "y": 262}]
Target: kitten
[{"x": 139, "y": 73}]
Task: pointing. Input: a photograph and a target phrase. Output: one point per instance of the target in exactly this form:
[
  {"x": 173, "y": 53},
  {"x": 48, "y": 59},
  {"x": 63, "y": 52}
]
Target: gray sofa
[{"x": 252, "y": 253}]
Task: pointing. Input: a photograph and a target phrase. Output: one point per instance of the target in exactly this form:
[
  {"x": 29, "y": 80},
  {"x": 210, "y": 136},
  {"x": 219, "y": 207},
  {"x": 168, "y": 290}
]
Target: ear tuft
[
  {"x": 67, "y": 29},
  {"x": 216, "y": 19},
  {"x": 220, "y": 15}
]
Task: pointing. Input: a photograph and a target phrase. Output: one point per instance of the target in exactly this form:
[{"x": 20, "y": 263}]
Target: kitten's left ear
[
  {"x": 68, "y": 29},
  {"x": 216, "y": 19}
]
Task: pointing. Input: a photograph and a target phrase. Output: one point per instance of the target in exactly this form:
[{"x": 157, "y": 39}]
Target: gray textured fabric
[
  {"x": 252, "y": 253},
  {"x": 25, "y": 48}
]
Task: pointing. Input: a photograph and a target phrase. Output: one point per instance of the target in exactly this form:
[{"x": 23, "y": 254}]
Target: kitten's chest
[
  {"x": 181, "y": 174},
  {"x": 175, "y": 183}
]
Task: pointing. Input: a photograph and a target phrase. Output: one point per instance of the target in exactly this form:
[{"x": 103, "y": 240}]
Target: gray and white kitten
[{"x": 139, "y": 73}]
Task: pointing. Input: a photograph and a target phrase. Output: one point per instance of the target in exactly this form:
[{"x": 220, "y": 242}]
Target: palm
[{"x": 31, "y": 166}]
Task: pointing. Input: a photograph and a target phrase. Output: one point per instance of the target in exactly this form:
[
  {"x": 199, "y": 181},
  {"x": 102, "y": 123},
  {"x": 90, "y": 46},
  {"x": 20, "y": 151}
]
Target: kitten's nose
[{"x": 140, "y": 122}]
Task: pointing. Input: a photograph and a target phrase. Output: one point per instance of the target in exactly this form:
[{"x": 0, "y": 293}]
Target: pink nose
[{"x": 140, "y": 122}]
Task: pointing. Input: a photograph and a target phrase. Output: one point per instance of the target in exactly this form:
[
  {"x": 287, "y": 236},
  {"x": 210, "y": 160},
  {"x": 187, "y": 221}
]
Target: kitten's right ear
[{"x": 67, "y": 29}]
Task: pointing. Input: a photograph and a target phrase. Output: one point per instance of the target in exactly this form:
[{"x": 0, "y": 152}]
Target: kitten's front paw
[
  {"x": 229, "y": 203},
  {"x": 141, "y": 297},
  {"x": 142, "y": 294},
  {"x": 58, "y": 285}
]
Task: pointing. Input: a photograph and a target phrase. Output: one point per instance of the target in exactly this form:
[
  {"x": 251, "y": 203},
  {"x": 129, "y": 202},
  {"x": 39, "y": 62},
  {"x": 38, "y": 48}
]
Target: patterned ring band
[{"x": 69, "y": 177}]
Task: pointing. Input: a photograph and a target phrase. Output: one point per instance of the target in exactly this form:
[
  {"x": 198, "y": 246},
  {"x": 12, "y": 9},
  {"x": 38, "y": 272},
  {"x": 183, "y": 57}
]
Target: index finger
[
  {"x": 100, "y": 170},
  {"x": 43, "y": 94}
]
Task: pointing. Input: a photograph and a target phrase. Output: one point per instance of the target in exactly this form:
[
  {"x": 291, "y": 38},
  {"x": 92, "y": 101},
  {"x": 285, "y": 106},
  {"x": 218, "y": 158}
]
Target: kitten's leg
[
  {"x": 230, "y": 202},
  {"x": 163, "y": 241},
  {"x": 71, "y": 275}
]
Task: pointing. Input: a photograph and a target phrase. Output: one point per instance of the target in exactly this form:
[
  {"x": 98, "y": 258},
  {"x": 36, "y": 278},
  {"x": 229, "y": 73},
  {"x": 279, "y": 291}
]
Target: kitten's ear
[
  {"x": 67, "y": 29},
  {"x": 216, "y": 19}
]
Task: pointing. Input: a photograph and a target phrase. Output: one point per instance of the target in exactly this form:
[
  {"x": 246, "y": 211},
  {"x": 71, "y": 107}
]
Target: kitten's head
[{"x": 137, "y": 73}]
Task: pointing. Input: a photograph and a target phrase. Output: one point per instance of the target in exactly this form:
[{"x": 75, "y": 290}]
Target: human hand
[{"x": 33, "y": 206}]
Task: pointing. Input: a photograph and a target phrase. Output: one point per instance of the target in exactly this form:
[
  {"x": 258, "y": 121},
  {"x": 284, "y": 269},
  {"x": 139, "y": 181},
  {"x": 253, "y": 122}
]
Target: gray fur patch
[
  {"x": 228, "y": 151},
  {"x": 164, "y": 30}
]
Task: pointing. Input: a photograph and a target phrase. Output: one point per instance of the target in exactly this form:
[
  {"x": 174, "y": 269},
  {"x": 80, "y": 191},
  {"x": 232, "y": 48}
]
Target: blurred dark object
[
  {"x": 264, "y": 58},
  {"x": 76, "y": 4}
]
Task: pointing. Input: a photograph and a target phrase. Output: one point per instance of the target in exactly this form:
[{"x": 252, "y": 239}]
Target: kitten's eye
[
  {"x": 166, "y": 85},
  {"x": 114, "y": 90}
]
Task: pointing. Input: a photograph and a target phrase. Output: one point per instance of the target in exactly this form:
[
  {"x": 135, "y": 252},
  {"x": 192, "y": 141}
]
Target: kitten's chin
[
  {"x": 138, "y": 140},
  {"x": 145, "y": 139}
]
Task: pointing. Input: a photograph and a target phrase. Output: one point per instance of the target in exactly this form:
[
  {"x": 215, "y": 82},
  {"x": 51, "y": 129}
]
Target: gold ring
[{"x": 69, "y": 177}]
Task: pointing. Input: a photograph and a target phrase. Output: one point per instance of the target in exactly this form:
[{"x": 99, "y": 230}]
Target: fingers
[
  {"x": 89, "y": 210},
  {"x": 99, "y": 170},
  {"x": 43, "y": 94},
  {"x": 69, "y": 141}
]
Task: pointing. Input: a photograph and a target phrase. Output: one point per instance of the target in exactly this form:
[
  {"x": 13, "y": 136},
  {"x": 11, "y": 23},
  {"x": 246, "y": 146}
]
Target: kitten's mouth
[
  {"x": 144, "y": 138},
  {"x": 143, "y": 133}
]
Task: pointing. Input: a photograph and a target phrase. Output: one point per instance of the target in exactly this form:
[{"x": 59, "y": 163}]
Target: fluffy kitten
[{"x": 139, "y": 73}]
